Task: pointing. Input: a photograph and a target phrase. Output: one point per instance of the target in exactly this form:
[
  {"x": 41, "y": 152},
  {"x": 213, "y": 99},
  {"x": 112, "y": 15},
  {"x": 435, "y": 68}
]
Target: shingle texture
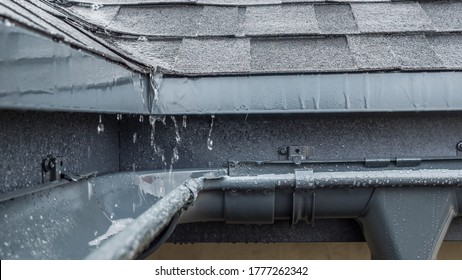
[
  {"x": 223, "y": 37},
  {"x": 391, "y": 17}
]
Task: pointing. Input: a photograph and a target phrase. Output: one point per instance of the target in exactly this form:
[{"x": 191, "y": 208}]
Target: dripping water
[
  {"x": 100, "y": 127},
  {"x": 175, "y": 156},
  {"x": 119, "y": 117},
  {"x": 184, "y": 121},
  {"x": 152, "y": 122},
  {"x": 209, "y": 138},
  {"x": 177, "y": 130}
]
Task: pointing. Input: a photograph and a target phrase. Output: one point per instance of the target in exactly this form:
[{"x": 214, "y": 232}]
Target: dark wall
[
  {"x": 339, "y": 136},
  {"x": 27, "y": 137}
]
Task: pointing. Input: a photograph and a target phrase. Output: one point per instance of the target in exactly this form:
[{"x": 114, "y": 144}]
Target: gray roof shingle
[
  {"x": 156, "y": 52},
  {"x": 280, "y": 19},
  {"x": 216, "y": 21},
  {"x": 393, "y": 52},
  {"x": 449, "y": 48},
  {"x": 391, "y": 17},
  {"x": 336, "y": 19},
  {"x": 160, "y": 21},
  {"x": 222, "y": 55},
  {"x": 215, "y": 37},
  {"x": 298, "y": 54},
  {"x": 445, "y": 16}
]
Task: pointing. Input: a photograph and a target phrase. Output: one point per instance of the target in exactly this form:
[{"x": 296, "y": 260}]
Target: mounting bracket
[{"x": 295, "y": 153}]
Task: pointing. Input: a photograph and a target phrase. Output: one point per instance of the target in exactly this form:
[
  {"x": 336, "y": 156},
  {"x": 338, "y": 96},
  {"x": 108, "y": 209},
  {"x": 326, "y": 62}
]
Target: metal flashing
[
  {"x": 312, "y": 93},
  {"x": 54, "y": 76}
]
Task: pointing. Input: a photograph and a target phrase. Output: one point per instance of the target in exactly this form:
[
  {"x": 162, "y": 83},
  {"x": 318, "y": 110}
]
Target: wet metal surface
[
  {"x": 328, "y": 93},
  {"x": 70, "y": 221}
]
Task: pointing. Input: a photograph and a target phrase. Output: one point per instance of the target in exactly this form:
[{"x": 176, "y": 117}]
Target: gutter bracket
[
  {"x": 54, "y": 169},
  {"x": 295, "y": 153},
  {"x": 304, "y": 197}
]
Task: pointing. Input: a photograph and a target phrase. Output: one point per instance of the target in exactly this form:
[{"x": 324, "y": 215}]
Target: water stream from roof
[
  {"x": 152, "y": 121},
  {"x": 175, "y": 155},
  {"x": 209, "y": 137}
]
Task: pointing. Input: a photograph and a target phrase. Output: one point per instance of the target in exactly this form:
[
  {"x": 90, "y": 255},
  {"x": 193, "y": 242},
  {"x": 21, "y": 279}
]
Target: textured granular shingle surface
[
  {"x": 163, "y": 20},
  {"x": 226, "y": 37},
  {"x": 155, "y": 52},
  {"x": 449, "y": 48},
  {"x": 223, "y": 55},
  {"x": 102, "y": 16},
  {"x": 219, "y": 21},
  {"x": 391, "y": 17},
  {"x": 393, "y": 52},
  {"x": 280, "y": 19},
  {"x": 445, "y": 15},
  {"x": 295, "y": 54},
  {"x": 336, "y": 19}
]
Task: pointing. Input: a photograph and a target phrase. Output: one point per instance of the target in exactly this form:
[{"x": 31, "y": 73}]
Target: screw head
[
  {"x": 459, "y": 146},
  {"x": 282, "y": 150}
]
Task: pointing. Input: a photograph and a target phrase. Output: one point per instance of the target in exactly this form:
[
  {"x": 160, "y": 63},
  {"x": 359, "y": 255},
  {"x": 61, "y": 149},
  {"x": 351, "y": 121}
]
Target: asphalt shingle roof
[{"x": 217, "y": 37}]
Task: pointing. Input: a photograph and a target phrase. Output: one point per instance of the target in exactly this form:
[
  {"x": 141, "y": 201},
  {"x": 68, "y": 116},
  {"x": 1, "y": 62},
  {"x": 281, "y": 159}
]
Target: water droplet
[
  {"x": 41, "y": 217},
  {"x": 6, "y": 244},
  {"x": 31, "y": 217},
  {"x": 112, "y": 216},
  {"x": 184, "y": 121},
  {"x": 141, "y": 119},
  {"x": 6, "y": 216},
  {"x": 95, "y": 233},
  {"x": 134, "y": 138},
  {"x": 209, "y": 139},
  {"x": 142, "y": 39},
  {"x": 119, "y": 117},
  {"x": 209, "y": 144},
  {"x": 100, "y": 127},
  {"x": 116, "y": 205},
  {"x": 96, "y": 6}
]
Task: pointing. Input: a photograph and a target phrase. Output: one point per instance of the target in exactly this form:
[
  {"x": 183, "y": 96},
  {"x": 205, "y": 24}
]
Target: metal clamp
[
  {"x": 304, "y": 197},
  {"x": 54, "y": 169},
  {"x": 295, "y": 153}
]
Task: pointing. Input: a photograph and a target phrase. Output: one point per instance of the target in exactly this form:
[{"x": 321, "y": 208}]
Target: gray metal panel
[
  {"x": 53, "y": 76},
  {"x": 70, "y": 221},
  {"x": 328, "y": 93}
]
